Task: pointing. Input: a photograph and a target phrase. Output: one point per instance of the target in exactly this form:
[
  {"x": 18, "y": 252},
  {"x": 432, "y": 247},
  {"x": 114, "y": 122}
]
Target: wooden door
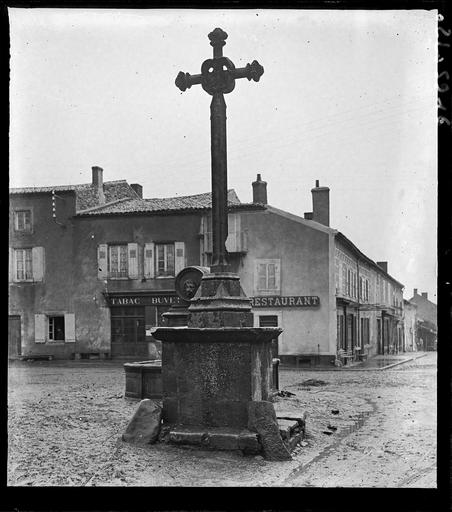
[{"x": 14, "y": 337}]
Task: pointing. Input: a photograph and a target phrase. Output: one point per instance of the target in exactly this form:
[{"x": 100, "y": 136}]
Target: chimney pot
[
  {"x": 308, "y": 215},
  {"x": 98, "y": 183},
  {"x": 415, "y": 291},
  {"x": 321, "y": 204},
  {"x": 259, "y": 190},
  {"x": 97, "y": 176}
]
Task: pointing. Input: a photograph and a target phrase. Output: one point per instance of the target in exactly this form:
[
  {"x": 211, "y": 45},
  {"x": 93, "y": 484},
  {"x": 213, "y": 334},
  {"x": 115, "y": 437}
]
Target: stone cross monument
[
  {"x": 217, "y": 78},
  {"x": 216, "y": 365}
]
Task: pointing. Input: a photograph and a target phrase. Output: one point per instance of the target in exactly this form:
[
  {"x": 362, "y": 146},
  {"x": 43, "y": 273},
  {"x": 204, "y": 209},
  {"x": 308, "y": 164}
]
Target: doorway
[
  {"x": 127, "y": 331},
  {"x": 14, "y": 337}
]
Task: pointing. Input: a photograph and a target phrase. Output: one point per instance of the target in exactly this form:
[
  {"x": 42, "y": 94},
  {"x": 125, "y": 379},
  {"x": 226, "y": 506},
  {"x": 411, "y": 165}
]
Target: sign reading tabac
[{"x": 291, "y": 301}]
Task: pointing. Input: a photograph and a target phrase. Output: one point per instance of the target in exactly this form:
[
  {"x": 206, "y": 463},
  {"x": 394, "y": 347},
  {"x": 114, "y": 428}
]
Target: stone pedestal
[
  {"x": 216, "y": 365},
  {"x": 210, "y": 374}
]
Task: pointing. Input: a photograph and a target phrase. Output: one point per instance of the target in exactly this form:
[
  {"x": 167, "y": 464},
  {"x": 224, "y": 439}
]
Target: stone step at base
[
  {"x": 37, "y": 357},
  {"x": 214, "y": 438}
]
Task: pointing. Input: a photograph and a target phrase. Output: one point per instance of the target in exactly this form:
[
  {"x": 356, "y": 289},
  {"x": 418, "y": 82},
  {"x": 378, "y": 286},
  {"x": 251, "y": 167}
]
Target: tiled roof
[
  {"x": 86, "y": 194},
  {"x": 166, "y": 204},
  {"x": 113, "y": 190}
]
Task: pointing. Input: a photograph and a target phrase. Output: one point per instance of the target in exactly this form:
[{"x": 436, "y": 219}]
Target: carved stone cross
[{"x": 218, "y": 77}]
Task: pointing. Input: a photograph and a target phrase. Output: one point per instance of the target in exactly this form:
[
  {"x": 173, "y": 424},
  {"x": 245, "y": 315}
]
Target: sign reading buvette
[{"x": 291, "y": 301}]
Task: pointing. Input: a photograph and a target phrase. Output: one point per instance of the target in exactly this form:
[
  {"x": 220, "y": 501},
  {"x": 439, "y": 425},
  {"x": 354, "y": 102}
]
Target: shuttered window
[
  {"x": 267, "y": 277},
  {"x": 22, "y": 220},
  {"x": 56, "y": 328},
  {"x": 117, "y": 261},
  {"x": 164, "y": 260},
  {"x": 23, "y": 264}
]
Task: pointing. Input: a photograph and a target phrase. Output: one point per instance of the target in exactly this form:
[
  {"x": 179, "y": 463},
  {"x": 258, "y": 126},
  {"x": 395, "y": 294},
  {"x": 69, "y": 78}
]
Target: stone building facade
[
  {"x": 410, "y": 325},
  {"x": 426, "y": 321},
  {"x": 109, "y": 259}
]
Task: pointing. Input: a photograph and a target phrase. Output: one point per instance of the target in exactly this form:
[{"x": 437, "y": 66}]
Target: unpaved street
[{"x": 65, "y": 421}]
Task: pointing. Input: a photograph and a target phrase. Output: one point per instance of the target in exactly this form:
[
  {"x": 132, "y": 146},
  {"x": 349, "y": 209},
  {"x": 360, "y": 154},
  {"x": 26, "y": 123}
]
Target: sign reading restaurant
[{"x": 291, "y": 301}]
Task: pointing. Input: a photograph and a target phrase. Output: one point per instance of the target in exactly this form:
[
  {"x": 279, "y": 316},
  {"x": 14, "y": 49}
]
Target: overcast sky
[{"x": 347, "y": 97}]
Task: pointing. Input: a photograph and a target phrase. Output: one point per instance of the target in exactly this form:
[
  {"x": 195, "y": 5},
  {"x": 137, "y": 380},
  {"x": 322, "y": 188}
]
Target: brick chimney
[
  {"x": 321, "y": 204},
  {"x": 425, "y": 295},
  {"x": 415, "y": 291},
  {"x": 98, "y": 183},
  {"x": 383, "y": 265},
  {"x": 259, "y": 190},
  {"x": 308, "y": 215},
  {"x": 138, "y": 189}
]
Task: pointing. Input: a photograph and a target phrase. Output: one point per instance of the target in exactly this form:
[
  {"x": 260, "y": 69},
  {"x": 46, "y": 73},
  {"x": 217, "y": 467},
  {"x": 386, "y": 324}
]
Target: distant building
[
  {"x": 427, "y": 323},
  {"x": 104, "y": 270},
  {"x": 410, "y": 325}
]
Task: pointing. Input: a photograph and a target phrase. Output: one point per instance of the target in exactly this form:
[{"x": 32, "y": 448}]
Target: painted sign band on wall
[
  {"x": 291, "y": 301},
  {"x": 157, "y": 300}
]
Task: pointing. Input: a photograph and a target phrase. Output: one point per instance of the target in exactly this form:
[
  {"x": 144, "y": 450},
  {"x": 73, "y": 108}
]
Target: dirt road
[{"x": 65, "y": 421}]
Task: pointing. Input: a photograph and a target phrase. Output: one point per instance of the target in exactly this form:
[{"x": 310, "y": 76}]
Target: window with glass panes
[
  {"x": 56, "y": 328},
  {"x": 266, "y": 273},
  {"x": 117, "y": 261},
  {"x": 164, "y": 260},
  {"x": 22, "y": 220},
  {"x": 23, "y": 261}
]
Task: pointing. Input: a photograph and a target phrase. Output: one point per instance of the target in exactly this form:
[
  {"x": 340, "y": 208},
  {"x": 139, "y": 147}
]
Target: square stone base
[{"x": 291, "y": 429}]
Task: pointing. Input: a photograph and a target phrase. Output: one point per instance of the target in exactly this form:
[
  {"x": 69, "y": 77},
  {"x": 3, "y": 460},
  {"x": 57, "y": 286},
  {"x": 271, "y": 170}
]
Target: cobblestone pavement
[{"x": 65, "y": 421}]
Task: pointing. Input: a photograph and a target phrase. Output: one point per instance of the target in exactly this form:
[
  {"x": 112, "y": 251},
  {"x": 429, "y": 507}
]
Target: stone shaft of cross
[{"x": 217, "y": 78}]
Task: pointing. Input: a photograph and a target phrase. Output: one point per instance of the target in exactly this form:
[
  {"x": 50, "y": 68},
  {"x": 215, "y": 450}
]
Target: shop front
[{"x": 133, "y": 316}]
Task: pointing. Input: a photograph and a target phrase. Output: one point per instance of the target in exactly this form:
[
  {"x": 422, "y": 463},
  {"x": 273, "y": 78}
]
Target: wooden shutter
[
  {"x": 179, "y": 255},
  {"x": 69, "y": 328},
  {"x": 102, "y": 261},
  {"x": 278, "y": 276},
  {"x": 37, "y": 257},
  {"x": 132, "y": 254},
  {"x": 149, "y": 251},
  {"x": 11, "y": 265},
  {"x": 233, "y": 240},
  {"x": 40, "y": 328}
]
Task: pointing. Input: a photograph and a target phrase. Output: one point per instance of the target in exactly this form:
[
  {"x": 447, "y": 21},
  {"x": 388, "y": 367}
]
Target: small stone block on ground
[
  {"x": 144, "y": 427},
  {"x": 298, "y": 415},
  {"x": 287, "y": 428}
]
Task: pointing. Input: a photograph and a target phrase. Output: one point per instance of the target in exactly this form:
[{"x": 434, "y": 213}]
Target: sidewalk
[{"x": 378, "y": 362}]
